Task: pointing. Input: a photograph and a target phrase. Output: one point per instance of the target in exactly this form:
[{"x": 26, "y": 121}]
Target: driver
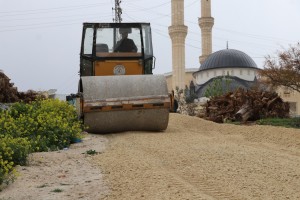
[{"x": 125, "y": 44}]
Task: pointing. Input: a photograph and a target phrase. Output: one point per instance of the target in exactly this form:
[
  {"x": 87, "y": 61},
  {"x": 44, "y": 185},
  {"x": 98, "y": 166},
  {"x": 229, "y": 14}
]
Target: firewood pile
[
  {"x": 10, "y": 94},
  {"x": 245, "y": 105}
]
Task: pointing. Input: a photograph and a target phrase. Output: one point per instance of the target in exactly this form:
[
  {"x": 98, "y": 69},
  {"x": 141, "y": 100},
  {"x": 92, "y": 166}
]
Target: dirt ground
[{"x": 192, "y": 159}]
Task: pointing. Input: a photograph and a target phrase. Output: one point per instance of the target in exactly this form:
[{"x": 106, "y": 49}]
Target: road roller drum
[{"x": 125, "y": 103}]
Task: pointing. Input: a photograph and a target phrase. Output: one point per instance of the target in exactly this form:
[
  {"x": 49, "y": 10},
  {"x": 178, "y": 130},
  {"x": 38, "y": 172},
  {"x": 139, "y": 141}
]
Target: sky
[{"x": 40, "y": 39}]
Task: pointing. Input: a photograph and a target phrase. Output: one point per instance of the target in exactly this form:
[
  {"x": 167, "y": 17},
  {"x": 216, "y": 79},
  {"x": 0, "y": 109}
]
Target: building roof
[{"x": 228, "y": 58}]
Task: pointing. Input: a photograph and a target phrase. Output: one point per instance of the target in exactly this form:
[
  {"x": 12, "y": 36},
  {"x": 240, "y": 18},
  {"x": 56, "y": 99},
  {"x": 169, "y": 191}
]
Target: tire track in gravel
[
  {"x": 154, "y": 175},
  {"x": 197, "y": 159},
  {"x": 191, "y": 181}
]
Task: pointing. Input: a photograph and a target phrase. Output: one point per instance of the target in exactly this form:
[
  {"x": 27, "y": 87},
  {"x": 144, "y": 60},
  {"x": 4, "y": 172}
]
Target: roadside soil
[
  {"x": 192, "y": 159},
  {"x": 67, "y": 174}
]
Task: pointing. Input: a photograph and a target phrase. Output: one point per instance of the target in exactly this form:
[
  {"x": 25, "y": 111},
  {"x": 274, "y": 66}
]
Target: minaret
[
  {"x": 178, "y": 32},
  {"x": 206, "y": 23}
]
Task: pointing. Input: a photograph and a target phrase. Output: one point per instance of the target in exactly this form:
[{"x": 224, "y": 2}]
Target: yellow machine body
[{"x": 106, "y": 68}]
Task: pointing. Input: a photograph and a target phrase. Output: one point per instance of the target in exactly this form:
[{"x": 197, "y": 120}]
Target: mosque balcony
[
  {"x": 206, "y": 22},
  {"x": 178, "y": 30}
]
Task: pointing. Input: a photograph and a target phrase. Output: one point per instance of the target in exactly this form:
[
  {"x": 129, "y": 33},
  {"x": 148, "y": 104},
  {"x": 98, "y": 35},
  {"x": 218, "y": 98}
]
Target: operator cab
[{"x": 106, "y": 45}]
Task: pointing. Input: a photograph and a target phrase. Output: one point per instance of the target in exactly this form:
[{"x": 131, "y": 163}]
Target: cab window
[
  {"x": 88, "y": 42},
  {"x": 118, "y": 42}
]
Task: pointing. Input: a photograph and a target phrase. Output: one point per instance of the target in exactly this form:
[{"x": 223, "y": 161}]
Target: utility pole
[{"x": 118, "y": 12}]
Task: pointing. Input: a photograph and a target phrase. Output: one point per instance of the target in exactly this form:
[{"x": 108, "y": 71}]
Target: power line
[
  {"x": 261, "y": 37},
  {"x": 42, "y": 23},
  {"x": 192, "y": 3},
  {"x": 140, "y": 9},
  {"x": 167, "y": 36},
  {"x": 47, "y": 10},
  {"x": 251, "y": 35},
  {"x": 53, "y": 24},
  {"x": 52, "y": 17},
  {"x": 40, "y": 27}
]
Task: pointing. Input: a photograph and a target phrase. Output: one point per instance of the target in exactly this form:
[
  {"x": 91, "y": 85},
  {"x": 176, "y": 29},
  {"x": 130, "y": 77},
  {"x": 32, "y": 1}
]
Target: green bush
[{"x": 39, "y": 126}]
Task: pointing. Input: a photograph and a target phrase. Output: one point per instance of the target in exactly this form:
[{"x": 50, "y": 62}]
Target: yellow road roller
[{"x": 117, "y": 90}]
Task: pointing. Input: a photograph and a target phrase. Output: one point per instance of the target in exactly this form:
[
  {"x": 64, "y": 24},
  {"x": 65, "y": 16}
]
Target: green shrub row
[
  {"x": 286, "y": 122},
  {"x": 42, "y": 125}
]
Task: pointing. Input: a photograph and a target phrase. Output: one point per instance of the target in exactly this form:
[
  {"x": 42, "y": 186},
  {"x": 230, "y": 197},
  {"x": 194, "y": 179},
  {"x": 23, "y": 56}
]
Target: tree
[
  {"x": 214, "y": 88},
  {"x": 283, "y": 70},
  {"x": 218, "y": 87}
]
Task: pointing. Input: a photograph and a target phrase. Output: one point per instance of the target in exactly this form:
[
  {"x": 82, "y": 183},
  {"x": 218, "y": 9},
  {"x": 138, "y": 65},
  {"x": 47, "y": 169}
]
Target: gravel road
[
  {"x": 192, "y": 159},
  {"x": 198, "y": 159}
]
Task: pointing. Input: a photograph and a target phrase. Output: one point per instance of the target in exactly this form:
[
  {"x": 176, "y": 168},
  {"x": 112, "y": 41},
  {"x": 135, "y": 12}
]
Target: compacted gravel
[{"x": 192, "y": 159}]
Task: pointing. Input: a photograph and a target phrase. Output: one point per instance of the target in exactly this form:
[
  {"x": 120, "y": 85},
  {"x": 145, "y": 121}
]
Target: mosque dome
[{"x": 228, "y": 58}]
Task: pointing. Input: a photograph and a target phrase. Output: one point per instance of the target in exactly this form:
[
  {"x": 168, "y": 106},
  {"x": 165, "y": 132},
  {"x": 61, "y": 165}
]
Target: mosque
[
  {"x": 228, "y": 62},
  {"x": 234, "y": 64}
]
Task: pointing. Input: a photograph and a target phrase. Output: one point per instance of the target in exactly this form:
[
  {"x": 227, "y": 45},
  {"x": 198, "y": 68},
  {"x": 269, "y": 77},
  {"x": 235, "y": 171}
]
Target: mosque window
[
  {"x": 232, "y": 72},
  {"x": 215, "y": 72},
  {"x": 207, "y": 74},
  {"x": 223, "y": 72},
  {"x": 241, "y": 72},
  {"x": 248, "y": 72}
]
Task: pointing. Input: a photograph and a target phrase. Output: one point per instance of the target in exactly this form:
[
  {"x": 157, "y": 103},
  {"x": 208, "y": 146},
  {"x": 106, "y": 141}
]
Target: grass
[
  {"x": 285, "y": 122},
  {"x": 91, "y": 152},
  {"x": 57, "y": 190},
  {"x": 64, "y": 184}
]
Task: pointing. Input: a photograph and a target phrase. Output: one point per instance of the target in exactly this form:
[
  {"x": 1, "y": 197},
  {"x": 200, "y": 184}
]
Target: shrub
[
  {"x": 48, "y": 124},
  {"x": 38, "y": 126},
  {"x": 21, "y": 149},
  {"x": 6, "y": 158}
]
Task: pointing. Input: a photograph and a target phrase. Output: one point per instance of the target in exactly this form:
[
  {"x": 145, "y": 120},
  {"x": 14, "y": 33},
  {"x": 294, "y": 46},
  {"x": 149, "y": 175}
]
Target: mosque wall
[
  {"x": 292, "y": 97},
  {"x": 188, "y": 78},
  {"x": 247, "y": 74}
]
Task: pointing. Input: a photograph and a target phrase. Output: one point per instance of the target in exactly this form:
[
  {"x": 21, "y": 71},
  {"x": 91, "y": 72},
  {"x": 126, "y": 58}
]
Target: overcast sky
[{"x": 40, "y": 39}]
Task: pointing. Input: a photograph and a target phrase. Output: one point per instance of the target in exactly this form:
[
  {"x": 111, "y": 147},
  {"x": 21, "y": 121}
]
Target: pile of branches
[
  {"x": 246, "y": 105},
  {"x": 10, "y": 94}
]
